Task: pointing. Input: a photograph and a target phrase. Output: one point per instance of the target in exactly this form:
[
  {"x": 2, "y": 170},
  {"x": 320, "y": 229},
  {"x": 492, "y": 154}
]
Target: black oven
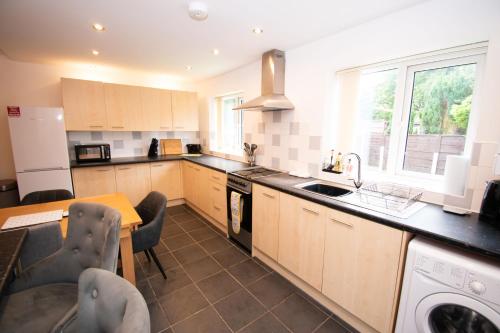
[
  {"x": 240, "y": 232},
  {"x": 92, "y": 153}
]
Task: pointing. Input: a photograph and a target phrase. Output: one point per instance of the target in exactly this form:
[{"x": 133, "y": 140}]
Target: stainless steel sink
[{"x": 323, "y": 188}]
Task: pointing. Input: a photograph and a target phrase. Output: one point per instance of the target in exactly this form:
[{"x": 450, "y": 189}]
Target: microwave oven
[{"x": 93, "y": 153}]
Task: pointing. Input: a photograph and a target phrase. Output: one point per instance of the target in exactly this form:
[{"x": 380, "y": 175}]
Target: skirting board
[
  {"x": 216, "y": 224},
  {"x": 175, "y": 202}
]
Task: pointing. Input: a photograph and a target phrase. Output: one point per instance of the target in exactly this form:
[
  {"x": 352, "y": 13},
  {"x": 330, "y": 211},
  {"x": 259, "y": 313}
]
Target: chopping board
[{"x": 171, "y": 146}]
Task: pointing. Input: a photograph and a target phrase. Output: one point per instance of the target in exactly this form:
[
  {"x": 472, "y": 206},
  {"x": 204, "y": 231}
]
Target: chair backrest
[
  {"x": 108, "y": 303},
  {"x": 46, "y": 196},
  {"x": 152, "y": 212}
]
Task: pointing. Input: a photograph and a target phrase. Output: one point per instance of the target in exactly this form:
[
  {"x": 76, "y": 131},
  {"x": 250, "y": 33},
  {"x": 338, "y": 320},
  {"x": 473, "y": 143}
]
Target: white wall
[
  {"x": 310, "y": 76},
  {"x": 28, "y": 84}
]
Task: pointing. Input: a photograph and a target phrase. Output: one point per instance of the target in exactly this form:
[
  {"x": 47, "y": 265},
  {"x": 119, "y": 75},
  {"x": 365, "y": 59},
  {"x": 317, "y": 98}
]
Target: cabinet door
[
  {"x": 83, "y": 102},
  {"x": 89, "y": 182},
  {"x": 187, "y": 181},
  {"x": 265, "y": 219},
  {"x": 166, "y": 179},
  {"x": 134, "y": 181},
  {"x": 201, "y": 188},
  {"x": 302, "y": 238},
  {"x": 185, "y": 111},
  {"x": 157, "y": 109},
  {"x": 361, "y": 267},
  {"x": 218, "y": 205},
  {"x": 123, "y": 107}
]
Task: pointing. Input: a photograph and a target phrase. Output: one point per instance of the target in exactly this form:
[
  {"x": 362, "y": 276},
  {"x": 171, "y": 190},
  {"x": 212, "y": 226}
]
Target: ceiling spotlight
[
  {"x": 98, "y": 27},
  {"x": 188, "y": 68},
  {"x": 215, "y": 51},
  {"x": 257, "y": 30},
  {"x": 95, "y": 52},
  {"x": 198, "y": 11}
]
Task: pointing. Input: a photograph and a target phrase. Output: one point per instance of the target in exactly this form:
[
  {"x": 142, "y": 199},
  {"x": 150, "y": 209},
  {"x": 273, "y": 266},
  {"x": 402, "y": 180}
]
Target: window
[
  {"x": 411, "y": 115},
  {"x": 227, "y": 125}
]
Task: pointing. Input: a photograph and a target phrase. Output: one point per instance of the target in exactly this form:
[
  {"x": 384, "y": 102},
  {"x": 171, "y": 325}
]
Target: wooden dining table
[{"x": 130, "y": 221}]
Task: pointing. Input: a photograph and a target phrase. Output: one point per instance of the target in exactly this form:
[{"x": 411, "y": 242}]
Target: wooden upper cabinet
[
  {"x": 157, "y": 109},
  {"x": 266, "y": 214},
  {"x": 302, "y": 238},
  {"x": 83, "y": 102},
  {"x": 185, "y": 111},
  {"x": 123, "y": 107},
  {"x": 361, "y": 265}
]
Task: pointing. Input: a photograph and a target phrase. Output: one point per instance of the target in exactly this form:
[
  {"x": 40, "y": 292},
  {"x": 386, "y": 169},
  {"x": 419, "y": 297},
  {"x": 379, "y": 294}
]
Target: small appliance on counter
[
  {"x": 490, "y": 207},
  {"x": 153, "y": 148},
  {"x": 193, "y": 148},
  {"x": 93, "y": 153}
]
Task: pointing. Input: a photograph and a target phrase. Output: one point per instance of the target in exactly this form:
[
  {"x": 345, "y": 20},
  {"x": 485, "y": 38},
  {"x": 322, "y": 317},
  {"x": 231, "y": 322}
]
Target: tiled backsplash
[{"x": 124, "y": 144}]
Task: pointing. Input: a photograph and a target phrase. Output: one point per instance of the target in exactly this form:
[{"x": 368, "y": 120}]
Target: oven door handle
[{"x": 237, "y": 189}]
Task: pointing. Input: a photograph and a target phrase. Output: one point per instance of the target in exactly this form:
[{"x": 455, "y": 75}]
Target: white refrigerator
[{"x": 38, "y": 138}]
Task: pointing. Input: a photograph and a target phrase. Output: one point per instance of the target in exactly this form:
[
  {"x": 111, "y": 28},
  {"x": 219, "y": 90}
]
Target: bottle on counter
[{"x": 338, "y": 164}]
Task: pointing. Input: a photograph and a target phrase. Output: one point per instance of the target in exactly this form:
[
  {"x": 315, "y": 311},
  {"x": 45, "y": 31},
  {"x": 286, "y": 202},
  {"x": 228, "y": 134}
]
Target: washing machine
[{"x": 446, "y": 290}]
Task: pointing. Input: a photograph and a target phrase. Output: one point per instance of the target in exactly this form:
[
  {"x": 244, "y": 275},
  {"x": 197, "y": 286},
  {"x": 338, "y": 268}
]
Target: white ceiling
[{"x": 159, "y": 36}]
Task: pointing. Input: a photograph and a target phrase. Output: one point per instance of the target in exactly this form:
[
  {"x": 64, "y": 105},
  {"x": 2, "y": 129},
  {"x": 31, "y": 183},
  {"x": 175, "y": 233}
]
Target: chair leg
[
  {"x": 157, "y": 262},
  {"x": 147, "y": 255}
]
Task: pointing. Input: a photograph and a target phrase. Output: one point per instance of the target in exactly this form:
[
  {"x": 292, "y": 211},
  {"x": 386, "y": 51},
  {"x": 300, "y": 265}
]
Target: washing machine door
[{"x": 455, "y": 313}]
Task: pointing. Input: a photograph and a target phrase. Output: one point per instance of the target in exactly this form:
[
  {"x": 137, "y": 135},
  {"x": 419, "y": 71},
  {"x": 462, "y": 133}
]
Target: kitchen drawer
[
  {"x": 218, "y": 209},
  {"x": 217, "y": 177}
]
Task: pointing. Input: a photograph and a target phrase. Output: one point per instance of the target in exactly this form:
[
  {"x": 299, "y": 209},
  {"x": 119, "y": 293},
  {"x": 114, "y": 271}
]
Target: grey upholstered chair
[
  {"x": 46, "y": 292},
  {"x": 42, "y": 240},
  {"x": 46, "y": 196},
  {"x": 152, "y": 212},
  {"x": 108, "y": 303}
]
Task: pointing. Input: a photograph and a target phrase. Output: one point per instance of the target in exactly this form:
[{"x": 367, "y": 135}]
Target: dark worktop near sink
[
  {"x": 430, "y": 221},
  {"x": 212, "y": 162}
]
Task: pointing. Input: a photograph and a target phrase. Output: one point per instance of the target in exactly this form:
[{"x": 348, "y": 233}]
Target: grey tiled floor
[{"x": 213, "y": 286}]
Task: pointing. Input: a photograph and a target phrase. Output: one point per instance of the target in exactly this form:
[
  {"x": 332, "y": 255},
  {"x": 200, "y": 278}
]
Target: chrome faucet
[{"x": 357, "y": 182}]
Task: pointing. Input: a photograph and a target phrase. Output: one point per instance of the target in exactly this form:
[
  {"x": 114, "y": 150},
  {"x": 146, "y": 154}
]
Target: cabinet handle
[
  {"x": 165, "y": 127},
  {"x": 214, "y": 177},
  {"x": 156, "y": 165},
  {"x": 103, "y": 170},
  {"x": 96, "y": 126},
  {"x": 179, "y": 127},
  {"x": 349, "y": 225},
  {"x": 216, "y": 208},
  {"x": 310, "y": 211},
  {"x": 117, "y": 126},
  {"x": 216, "y": 188},
  {"x": 123, "y": 168},
  {"x": 269, "y": 196}
]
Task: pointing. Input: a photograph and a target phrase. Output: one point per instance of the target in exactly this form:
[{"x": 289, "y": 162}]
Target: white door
[
  {"x": 43, "y": 180},
  {"x": 449, "y": 312},
  {"x": 38, "y": 139}
]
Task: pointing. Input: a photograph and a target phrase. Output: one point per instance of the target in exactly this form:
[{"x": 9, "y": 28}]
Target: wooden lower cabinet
[
  {"x": 88, "y": 182},
  {"x": 166, "y": 179},
  {"x": 265, "y": 220},
  {"x": 218, "y": 205},
  {"x": 302, "y": 238},
  {"x": 361, "y": 267},
  {"x": 134, "y": 180},
  {"x": 195, "y": 180}
]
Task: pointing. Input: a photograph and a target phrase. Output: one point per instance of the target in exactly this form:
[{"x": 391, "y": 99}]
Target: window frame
[
  {"x": 406, "y": 68},
  {"x": 218, "y": 145}
]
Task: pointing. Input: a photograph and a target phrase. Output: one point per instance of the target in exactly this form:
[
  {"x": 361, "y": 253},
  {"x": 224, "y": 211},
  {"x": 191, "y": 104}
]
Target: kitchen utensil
[{"x": 171, "y": 146}]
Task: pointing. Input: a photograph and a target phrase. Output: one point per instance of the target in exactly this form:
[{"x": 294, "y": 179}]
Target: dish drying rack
[{"x": 391, "y": 196}]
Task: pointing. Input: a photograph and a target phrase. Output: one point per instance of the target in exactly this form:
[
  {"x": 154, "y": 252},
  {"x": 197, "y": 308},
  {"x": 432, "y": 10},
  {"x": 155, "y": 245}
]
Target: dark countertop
[
  {"x": 430, "y": 221},
  {"x": 213, "y": 162}
]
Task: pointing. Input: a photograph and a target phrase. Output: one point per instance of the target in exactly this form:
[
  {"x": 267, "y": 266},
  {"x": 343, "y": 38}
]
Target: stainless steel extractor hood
[{"x": 272, "y": 87}]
